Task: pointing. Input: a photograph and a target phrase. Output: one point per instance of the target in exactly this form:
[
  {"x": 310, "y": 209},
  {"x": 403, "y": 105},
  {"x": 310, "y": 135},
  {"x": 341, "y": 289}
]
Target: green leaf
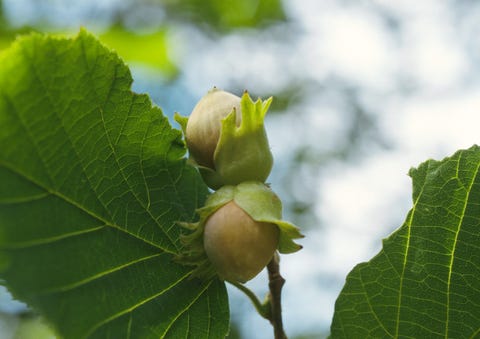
[
  {"x": 149, "y": 48},
  {"x": 425, "y": 283},
  {"x": 92, "y": 182}
]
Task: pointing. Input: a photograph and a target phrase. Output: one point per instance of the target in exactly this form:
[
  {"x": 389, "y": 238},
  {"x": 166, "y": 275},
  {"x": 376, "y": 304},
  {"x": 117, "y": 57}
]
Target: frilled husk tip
[{"x": 242, "y": 151}]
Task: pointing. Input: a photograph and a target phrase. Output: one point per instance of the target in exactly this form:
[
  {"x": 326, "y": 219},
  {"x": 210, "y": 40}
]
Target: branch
[
  {"x": 275, "y": 284},
  {"x": 271, "y": 309}
]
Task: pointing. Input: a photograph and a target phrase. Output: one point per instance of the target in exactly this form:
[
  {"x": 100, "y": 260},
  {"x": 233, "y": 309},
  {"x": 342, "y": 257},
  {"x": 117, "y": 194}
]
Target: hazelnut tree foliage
[{"x": 95, "y": 189}]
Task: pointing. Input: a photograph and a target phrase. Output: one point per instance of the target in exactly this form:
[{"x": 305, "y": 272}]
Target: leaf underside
[
  {"x": 425, "y": 282},
  {"x": 92, "y": 182}
]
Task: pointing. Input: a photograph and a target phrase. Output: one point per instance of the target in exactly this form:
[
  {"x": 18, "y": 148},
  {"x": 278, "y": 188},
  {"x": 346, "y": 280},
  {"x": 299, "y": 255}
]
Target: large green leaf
[
  {"x": 92, "y": 181},
  {"x": 425, "y": 283}
]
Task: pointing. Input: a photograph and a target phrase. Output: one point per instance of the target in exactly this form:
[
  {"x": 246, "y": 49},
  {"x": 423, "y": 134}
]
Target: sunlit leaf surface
[
  {"x": 150, "y": 49},
  {"x": 92, "y": 181},
  {"x": 425, "y": 283}
]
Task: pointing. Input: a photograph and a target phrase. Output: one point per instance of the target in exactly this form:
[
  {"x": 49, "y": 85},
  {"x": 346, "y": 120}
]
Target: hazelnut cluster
[{"x": 241, "y": 225}]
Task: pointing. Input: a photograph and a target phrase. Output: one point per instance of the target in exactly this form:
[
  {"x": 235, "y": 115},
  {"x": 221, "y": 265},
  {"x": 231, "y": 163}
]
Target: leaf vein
[
  {"x": 127, "y": 182},
  {"x": 137, "y": 305},
  {"x": 25, "y": 199},
  {"x": 67, "y": 136},
  {"x": 371, "y": 308},
  {"x": 186, "y": 309},
  {"x": 43, "y": 241},
  {"x": 59, "y": 289},
  {"x": 455, "y": 241},
  {"x": 82, "y": 208},
  {"x": 404, "y": 265}
]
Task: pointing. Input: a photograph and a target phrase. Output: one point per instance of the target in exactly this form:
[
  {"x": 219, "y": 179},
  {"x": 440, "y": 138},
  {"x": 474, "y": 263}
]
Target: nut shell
[
  {"x": 238, "y": 246},
  {"x": 204, "y": 125}
]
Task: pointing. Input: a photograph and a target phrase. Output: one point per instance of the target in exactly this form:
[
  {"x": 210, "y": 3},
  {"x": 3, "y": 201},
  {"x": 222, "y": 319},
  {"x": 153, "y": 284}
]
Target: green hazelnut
[
  {"x": 239, "y": 230},
  {"x": 226, "y": 138},
  {"x": 204, "y": 124},
  {"x": 238, "y": 246}
]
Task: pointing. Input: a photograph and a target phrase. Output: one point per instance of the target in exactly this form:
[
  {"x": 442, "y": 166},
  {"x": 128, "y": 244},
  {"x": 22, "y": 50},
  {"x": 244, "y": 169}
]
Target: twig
[
  {"x": 275, "y": 284},
  {"x": 271, "y": 309}
]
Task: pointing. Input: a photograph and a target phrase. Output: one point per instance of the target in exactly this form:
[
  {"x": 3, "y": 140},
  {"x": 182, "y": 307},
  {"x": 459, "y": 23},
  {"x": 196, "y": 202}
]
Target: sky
[
  {"x": 411, "y": 66},
  {"x": 420, "y": 80}
]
